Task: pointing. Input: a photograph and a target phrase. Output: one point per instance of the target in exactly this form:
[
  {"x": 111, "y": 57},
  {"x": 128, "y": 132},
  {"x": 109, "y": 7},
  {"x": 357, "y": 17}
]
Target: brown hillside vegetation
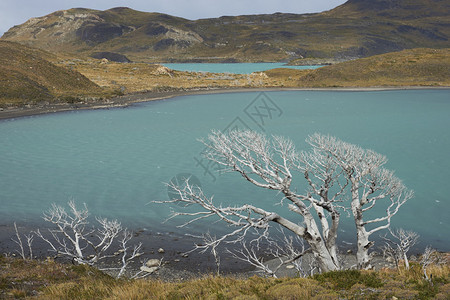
[
  {"x": 26, "y": 76},
  {"x": 28, "y": 79},
  {"x": 50, "y": 280},
  {"x": 416, "y": 67}
]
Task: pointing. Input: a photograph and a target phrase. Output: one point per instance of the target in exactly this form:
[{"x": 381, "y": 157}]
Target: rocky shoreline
[{"x": 175, "y": 264}]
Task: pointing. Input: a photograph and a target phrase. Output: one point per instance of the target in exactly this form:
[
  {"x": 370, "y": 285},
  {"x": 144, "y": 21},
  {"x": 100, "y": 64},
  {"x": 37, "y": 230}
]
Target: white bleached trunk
[
  {"x": 363, "y": 243},
  {"x": 326, "y": 259},
  {"x": 362, "y": 254}
]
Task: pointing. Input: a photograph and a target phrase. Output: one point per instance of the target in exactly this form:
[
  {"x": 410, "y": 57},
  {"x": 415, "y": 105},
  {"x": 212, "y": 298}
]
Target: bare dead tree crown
[{"x": 336, "y": 173}]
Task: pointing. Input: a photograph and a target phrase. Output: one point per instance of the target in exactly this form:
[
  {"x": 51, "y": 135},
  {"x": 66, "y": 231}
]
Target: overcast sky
[{"x": 15, "y": 12}]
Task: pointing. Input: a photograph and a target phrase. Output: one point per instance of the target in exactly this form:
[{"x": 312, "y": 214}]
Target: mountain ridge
[{"x": 358, "y": 28}]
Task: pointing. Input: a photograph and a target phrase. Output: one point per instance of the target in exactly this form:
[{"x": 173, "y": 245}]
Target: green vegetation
[
  {"x": 50, "y": 280},
  {"x": 348, "y": 278},
  {"x": 358, "y": 28},
  {"x": 26, "y": 77}
]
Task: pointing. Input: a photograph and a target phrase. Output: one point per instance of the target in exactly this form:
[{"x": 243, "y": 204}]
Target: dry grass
[
  {"x": 26, "y": 76},
  {"x": 50, "y": 280},
  {"x": 419, "y": 67}
]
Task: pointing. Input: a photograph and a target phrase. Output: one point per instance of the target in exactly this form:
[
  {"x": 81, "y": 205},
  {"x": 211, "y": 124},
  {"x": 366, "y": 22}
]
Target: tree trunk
[
  {"x": 321, "y": 252},
  {"x": 405, "y": 258},
  {"x": 363, "y": 243},
  {"x": 362, "y": 254}
]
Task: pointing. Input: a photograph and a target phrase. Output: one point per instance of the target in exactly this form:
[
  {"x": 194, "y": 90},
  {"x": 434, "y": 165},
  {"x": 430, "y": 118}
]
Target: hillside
[
  {"x": 415, "y": 67},
  {"x": 358, "y": 28},
  {"x": 26, "y": 76}
]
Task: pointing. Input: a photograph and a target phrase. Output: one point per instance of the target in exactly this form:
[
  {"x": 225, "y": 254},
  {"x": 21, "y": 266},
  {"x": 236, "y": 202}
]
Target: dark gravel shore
[{"x": 176, "y": 265}]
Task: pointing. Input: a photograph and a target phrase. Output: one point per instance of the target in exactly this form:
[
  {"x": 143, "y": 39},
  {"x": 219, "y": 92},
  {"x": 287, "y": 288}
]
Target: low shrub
[{"x": 347, "y": 278}]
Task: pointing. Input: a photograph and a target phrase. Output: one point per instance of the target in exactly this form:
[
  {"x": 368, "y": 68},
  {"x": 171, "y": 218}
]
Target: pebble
[
  {"x": 290, "y": 266},
  {"x": 161, "y": 250}
]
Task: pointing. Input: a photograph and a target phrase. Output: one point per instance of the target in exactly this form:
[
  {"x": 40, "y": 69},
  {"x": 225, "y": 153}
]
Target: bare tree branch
[
  {"x": 370, "y": 184},
  {"x": 336, "y": 173},
  {"x": 398, "y": 248},
  {"x": 74, "y": 240},
  {"x": 29, "y": 241}
]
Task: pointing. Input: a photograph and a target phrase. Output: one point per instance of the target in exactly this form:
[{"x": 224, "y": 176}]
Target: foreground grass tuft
[
  {"x": 348, "y": 278},
  {"x": 51, "y": 280}
]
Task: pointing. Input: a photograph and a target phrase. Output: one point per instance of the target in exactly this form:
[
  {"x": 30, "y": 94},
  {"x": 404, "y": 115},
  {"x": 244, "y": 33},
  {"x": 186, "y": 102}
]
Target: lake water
[
  {"x": 235, "y": 68},
  {"x": 118, "y": 160}
]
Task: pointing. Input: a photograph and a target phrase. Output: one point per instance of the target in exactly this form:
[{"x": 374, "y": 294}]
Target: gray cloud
[{"x": 17, "y": 12}]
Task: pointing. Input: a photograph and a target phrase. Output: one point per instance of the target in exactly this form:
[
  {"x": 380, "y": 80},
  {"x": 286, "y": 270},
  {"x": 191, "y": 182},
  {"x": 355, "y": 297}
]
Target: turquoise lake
[
  {"x": 235, "y": 68},
  {"x": 117, "y": 160}
]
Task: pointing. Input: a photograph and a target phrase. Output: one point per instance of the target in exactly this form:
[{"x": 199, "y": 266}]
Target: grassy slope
[
  {"x": 49, "y": 280},
  {"x": 26, "y": 76},
  {"x": 416, "y": 67}
]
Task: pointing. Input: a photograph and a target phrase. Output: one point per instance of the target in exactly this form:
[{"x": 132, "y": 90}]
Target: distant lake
[
  {"x": 118, "y": 160},
  {"x": 235, "y": 68}
]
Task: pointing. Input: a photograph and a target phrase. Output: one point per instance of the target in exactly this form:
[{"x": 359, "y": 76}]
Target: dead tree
[
  {"x": 398, "y": 247},
  {"x": 74, "y": 239},
  {"x": 270, "y": 164},
  {"x": 23, "y": 249},
  {"x": 370, "y": 185},
  {"x": 335, "y": 172}
]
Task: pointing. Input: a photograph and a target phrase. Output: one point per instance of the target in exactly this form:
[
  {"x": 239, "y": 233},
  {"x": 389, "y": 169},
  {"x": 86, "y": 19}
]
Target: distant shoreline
[{"x": 130, "y": 99}]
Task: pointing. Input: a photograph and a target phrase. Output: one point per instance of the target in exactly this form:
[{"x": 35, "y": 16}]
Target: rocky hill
[
  {"x": 358, "y": 28},
  {"x": 26, "y": 77}
]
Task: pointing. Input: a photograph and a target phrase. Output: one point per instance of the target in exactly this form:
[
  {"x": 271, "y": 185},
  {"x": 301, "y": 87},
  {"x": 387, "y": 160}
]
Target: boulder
[
  {"x": 162, "y": 70},
  {"x": 153, "y": 262}
]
